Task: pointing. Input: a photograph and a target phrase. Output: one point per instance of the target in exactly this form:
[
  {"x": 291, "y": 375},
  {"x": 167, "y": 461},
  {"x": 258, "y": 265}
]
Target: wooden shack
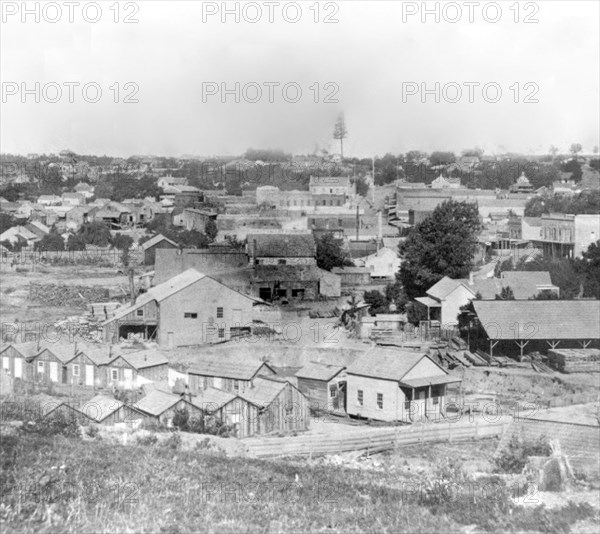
[{"x": 318, "y": 383}]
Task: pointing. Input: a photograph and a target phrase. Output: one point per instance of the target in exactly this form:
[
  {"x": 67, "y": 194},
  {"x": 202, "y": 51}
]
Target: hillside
[{"x": 96, "y": 486}]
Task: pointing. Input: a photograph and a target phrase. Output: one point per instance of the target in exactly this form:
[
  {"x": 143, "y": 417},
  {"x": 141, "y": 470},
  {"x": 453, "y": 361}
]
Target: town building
[
  {"x": 317, "y": 382},
  {"x": 150, "y": 247}
]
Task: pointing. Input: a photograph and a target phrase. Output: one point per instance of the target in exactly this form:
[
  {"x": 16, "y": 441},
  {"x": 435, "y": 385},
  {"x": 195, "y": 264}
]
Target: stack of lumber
[
  {"x": 575, "y": 360},
  {"x": 474, "y": 358}
]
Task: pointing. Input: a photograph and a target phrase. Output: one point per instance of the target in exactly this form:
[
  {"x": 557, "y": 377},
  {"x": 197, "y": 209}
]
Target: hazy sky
[{"x": 362, "y": 60}]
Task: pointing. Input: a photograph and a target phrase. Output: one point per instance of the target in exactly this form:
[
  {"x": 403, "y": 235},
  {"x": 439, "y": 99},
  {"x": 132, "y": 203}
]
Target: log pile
[
  {"x": 575, "y": 360},
  {"x": 62, "y": 295}
]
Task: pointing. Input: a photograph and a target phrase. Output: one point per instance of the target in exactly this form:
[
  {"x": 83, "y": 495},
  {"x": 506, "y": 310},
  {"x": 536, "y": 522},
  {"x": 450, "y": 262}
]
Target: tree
[
  {"x": 575, "y": 149},
  {"x": 330, "y": 253},
  {"x": 362, "y": 188},
  {"x": 501, "y": 266},
  {"x": 211, "y": 230},
  {"x": 441, "y": 245},
  {"x": 546, "y": 294},
  {"x": 476, "y": 152},
  {"x": 340, "y": 132},
  {"x": 574, "y": 167},
  {"x": 6, "y": 221},
  {"x": 589, "y": 267},
  {"x": 122, "y": 242},
  {"x": 75, "y": 242},
  {"x": 506, "y": 294},
  {"x": 553, "y": 151},
  {"x": 50, "y": 242},
  {"x": 377, "y": 301},
  {"x": 96, "y": 233},
  {"x": 442, "y": 158}
]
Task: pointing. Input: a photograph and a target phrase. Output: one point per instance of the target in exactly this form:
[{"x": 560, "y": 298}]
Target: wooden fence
[{"x": 371, "y": 440}]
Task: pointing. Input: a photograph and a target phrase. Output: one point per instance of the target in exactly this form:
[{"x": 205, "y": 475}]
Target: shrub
[
  {"x": 150, "y": 439},
  {"x": 173, "y": 441},
  {"x": 92, "y": 431},
  {"x": 513, "y": 458}
]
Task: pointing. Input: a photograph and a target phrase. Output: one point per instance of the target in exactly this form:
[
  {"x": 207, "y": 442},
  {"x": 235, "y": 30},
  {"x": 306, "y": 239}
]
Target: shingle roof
[
  {"x": 28, "y": 349},
  {"x": 319, "y": 371},
  {"x": 539, "y": 319},
  {"x": 156, "y": 239},
  {"x": 330, "y": 181},
  {"x": 144, "y": 358},
  {"x": 387, "y": 364},
  {"x": 281, "y": 245},
  {"x": 238, "y": 366},
  {"x": 100, "y": 407}
]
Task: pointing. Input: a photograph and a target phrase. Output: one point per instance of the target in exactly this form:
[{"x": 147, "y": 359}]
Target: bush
[
  {"x": 513, "y": 458},
  {"x": 173, "y": 441},
  {"x": 92, "y": 431},
  {"x": 150, "y": 439}
]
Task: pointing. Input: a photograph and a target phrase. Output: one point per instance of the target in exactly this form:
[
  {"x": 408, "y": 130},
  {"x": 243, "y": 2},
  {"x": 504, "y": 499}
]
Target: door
[
  {"x": 128, "y": 374},
  {"x": 64, "y": 374},
  {"x": 18, "y": 367},
  {"x": 89, "y": 375},
  {"x": 54, "y": 371}
]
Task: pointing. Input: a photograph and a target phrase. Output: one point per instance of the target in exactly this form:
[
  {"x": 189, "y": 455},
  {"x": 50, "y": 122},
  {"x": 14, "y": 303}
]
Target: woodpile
[{"x": 62, "y": 295}]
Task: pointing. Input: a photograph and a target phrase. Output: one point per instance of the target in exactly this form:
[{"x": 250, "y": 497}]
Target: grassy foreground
[{"x": 53, "y": 484}]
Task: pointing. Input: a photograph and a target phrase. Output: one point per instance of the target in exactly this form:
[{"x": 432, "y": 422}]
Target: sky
[{"x": 167, "y": 73}]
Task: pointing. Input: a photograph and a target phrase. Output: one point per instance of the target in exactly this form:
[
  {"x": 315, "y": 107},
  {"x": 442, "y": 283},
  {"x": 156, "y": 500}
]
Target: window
[
  {"x": 281, "y": 262},
  {"x": 40, "y": 367},
  {"x": 236, "y": 386},
  {"x": 190, "y": 315},
  {"x": 139, "y": 313},
  {"x": 380, "y": 401},
  {"x": 114, "y": 374},
  {"x": 359, "y": 397},
  {"x": 75, "y": 369},
  {"x": 219, "y": 313},
  {"x": 340, "y": 222},
  {"x": 436, "y": 400},
  {"x": 221, "y": 333},
  {"x": 332, "y": 390}
]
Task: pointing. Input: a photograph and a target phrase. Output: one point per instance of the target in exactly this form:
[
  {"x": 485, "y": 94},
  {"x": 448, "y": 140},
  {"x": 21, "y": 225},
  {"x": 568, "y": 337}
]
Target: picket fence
[{"x": 371, "y": 441}]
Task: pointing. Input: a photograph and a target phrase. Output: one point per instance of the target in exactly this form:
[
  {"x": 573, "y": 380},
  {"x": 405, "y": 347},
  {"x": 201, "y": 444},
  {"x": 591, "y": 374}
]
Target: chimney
[
  {"x": 110, "y": 350},
  {"x": 470, "y": 278},
  {"x": 75, "y": 349},
  {"x": 188, "y": 393},
  {"x": 145, "y": 357},
  {"x": 379, "y": 229}
]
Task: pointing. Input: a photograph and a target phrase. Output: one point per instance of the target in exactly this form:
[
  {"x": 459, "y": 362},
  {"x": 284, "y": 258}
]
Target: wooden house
[
  {"x": 230, "y": 370},
  {"x": 108, "y": 411},
  {"x": 125, "y": 370},
  {"x": 158, "y": 241},
  {"x": 318, "y": 383},
  {"x": 276, "y": 406},
  {"x": 161, "y": 406},
  {"x": 392, "y": 385},
  {"x": 16, "y": 357}
]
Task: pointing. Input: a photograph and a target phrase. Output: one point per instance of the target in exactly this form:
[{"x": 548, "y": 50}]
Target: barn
[
  {"x": 318, "y": 383},
  {"x": 394, "y": 385},
  {"x": 188, "y": 309},
  {"x": 231, "y": 370},
  {"x": 157, "y": 242}
]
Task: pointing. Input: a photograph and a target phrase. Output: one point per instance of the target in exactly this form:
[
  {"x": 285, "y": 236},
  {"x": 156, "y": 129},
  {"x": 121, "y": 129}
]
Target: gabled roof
[
  {"x": 29, "y": 349},
  {"x": 157, "y": 402},
  {"x": 143, "y": 358},
  {"x": 100, "y": 407},
  {"x": 539, "y": 319},
  {"x": 387, "y": 364},
  {"x": 238, "y": 366},
  {"x": 445, "y": 286},
  {"x": 319, "y": 371},
  {"x": 156, "y": 239},
  {"x": 212, "y": 399},
  {"x": 264, "y": 390},
  {"x": 160, "y": 292}
]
